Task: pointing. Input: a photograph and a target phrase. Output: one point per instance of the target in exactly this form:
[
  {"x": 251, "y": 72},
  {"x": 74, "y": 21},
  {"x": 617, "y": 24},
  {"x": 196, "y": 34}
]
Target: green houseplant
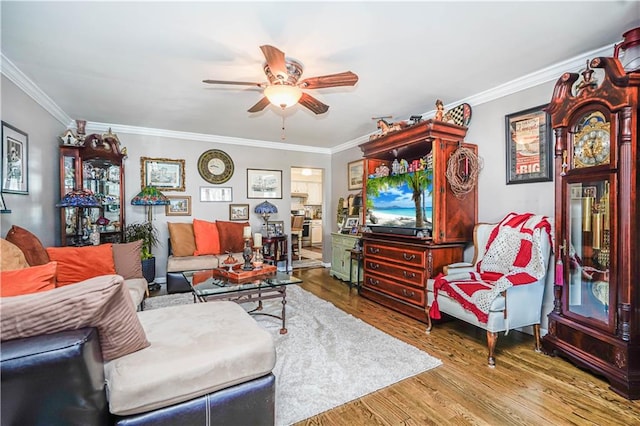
[{"x": 146, "y": 232}]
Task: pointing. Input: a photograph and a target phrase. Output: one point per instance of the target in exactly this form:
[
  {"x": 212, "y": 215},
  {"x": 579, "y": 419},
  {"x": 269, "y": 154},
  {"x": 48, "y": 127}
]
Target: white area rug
[{"x": 328, "y": 357}]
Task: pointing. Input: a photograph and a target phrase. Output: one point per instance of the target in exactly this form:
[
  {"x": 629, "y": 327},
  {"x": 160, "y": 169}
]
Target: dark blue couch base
[
  {"x": 58, "y": 379},
  {"x": 249, "y": 403}
]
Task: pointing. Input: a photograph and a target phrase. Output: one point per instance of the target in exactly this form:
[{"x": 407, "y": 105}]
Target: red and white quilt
[{"x": 513, "y": 257}]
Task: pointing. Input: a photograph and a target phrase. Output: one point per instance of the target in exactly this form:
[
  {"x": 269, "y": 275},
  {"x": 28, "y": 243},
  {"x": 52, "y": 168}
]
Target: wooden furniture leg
[
  {"x": 536, "y": 334},
  {"x": 492, "y": 339}
]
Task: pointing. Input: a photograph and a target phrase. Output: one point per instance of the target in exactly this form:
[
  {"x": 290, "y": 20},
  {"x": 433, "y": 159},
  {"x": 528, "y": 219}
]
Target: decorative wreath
[{"x": 463, "y": 168}]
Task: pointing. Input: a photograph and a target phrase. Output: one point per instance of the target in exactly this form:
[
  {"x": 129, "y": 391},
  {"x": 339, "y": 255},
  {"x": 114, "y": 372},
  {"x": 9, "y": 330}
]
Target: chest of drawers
[{"x": 396, "y": 270}]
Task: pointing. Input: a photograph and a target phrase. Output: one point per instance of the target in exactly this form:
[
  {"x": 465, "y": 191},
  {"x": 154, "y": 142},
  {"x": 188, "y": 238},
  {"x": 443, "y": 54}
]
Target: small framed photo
[
  {"x": 238, "y": 211},
  {"x": 355, "y": 173},
  {"x": 178, "y": 206},
  {"x": 278, "y": 227},
  {"x": 264, "y": 183},
  {"x": 529, "y": 150},
  {"x": 350, "y": 222},
  {"x": 216, "y": 194},
  {"x": 163, "y": 173},
  {"x": 15, "y": 160}
]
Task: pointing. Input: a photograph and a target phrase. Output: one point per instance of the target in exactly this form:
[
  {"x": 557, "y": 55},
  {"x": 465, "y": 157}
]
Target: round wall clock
[{"x": 215, "y": 166}]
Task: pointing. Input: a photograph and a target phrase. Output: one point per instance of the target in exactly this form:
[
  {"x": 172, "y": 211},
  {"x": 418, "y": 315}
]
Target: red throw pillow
[
  {"x": 231, "y": 238},
  {"x": 30, "y": 245},
  {"x": 81, "y": 263},
  {"x": 207, "y": 238},
  {"x": 28, "y": 280}
]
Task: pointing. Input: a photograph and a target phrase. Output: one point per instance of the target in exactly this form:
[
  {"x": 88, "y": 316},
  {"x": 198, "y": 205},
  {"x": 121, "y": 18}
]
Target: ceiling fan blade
[
  {"x": 313, "y": 104},
  {"x": 346, "y": 78},
  {"x": 262, "y": 104},
  {"x": 275, "y": 60},
  {"x": 240, "y": 83}
]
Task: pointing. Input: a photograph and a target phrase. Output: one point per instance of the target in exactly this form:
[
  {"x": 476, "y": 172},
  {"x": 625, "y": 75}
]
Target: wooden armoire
[
  {"x": 396, "y": 265},
  {"x": 595, "y": 321}
]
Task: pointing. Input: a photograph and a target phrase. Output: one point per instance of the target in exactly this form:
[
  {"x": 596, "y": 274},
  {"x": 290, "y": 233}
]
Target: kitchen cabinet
[
  {"x": 312, "y": 192},
  {"x": 316, "y": 232}
]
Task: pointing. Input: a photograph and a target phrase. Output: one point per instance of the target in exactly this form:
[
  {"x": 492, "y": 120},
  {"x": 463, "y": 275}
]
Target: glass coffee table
[{"x": 221, "y": 284}]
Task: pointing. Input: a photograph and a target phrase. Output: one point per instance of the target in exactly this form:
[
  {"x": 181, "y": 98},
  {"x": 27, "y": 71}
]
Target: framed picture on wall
[
  {"x": 15, "y": 160},
  {"x": 529, "y": 150},
  {"x": 355, "y": 173},
  {"x": 215, "y": 194},
  {"x": 264, "y": 183},
  {"x": 238, "y": 211},
  {"x": 178, "y": 206},
  {"x": 162, "y": 173}
]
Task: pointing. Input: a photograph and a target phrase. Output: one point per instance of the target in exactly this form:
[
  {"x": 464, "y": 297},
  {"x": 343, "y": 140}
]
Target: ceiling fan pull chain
[{"x": 283, "y": 137}]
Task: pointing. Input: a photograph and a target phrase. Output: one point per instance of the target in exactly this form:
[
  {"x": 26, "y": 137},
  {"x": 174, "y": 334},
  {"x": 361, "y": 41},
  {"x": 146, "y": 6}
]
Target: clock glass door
[{"x": 588, "y": 293}]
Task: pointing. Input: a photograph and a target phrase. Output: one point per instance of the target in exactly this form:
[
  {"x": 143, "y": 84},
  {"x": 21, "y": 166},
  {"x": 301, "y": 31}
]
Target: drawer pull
[
  {"x": 407, "y": 257},
  {"x": 373, "y": 282},
  {"x": 409, "y": 275},
  {"x": 374, "y": 250},
  {"x": 407, "y": 293},
  {"x": 374, "y": 266}
]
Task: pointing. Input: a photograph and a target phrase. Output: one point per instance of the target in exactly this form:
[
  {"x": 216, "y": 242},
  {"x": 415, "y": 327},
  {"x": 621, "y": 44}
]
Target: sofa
[
  {"x": 201, "y": 245},
  {"x": 81, "y": 354},
  {"x": 32, "y": 267}
]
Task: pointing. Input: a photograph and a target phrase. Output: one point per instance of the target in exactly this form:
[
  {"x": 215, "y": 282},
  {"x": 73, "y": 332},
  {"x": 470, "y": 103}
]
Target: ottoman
[{"x": 208, "y": 362}]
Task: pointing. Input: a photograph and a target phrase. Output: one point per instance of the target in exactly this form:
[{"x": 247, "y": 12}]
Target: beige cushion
[
  {"x": 190, "y": 263},
  {"x": 126, "y": 258},
  {"x": 138, "y": 288},
  {"x": 102, "y": 302},
  {"x": 195, "y": 349},
  {"x": 183, "y": 240},
  {"x": 11, "y": 256}
]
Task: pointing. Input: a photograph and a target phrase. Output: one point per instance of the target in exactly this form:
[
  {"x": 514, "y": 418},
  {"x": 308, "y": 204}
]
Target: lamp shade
[
  {"x": 283, "y": 95},
  {"x": 79, "y": 198},
  {"x": 265, "y": 209},
  {"x": 150, "y": 196}
]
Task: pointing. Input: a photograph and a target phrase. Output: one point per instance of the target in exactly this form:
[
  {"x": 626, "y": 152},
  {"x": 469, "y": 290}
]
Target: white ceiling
[{"x": 140, "y": 65}]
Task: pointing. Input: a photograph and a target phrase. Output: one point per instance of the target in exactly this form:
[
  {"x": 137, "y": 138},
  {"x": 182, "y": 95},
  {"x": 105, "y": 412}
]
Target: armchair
[{"x": 504, "y": 286}]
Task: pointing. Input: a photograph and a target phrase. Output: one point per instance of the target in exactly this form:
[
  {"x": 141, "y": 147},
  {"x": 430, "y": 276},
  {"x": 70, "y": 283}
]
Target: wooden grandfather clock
[{"x": 595, "y": 322}]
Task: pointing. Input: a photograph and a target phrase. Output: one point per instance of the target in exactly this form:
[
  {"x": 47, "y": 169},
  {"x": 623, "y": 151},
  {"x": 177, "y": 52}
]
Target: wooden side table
[
  {"x": 358, "y": 256},
  {"x": 276, "y": 249}
]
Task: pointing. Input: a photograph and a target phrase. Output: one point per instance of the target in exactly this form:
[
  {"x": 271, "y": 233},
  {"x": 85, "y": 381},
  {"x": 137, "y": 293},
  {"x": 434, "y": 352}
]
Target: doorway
[{"x": 307, "y": 189}]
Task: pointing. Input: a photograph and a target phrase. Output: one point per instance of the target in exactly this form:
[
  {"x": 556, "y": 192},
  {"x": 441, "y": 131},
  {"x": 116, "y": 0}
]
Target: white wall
[{"x": 35, "y": 211}]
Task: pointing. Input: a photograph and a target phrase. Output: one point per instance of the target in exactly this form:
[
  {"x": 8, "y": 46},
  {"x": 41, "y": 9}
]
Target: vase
[{"x": 94, "y": 235}]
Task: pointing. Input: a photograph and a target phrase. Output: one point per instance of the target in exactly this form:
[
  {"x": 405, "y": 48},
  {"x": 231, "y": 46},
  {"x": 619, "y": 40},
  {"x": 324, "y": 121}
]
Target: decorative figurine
[{"x": 439, "y": 110}]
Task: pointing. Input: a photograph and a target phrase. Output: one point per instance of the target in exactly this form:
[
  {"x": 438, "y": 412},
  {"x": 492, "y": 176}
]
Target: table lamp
[
  {"x": 266, "y": 209},
  {"x": 80, "y": 199}
]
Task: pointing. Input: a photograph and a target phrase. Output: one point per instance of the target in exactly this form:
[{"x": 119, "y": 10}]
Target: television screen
[{"x": 403, "y": 201}]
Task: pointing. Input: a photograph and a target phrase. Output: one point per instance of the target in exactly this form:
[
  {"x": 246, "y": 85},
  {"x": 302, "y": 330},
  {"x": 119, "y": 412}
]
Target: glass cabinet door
[
  {"x": 589, "y": 244},
  {"x": 102, "y": 177}
]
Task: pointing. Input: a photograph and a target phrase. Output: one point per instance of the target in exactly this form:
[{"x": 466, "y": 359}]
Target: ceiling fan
[{"x": 284, "y": 88}]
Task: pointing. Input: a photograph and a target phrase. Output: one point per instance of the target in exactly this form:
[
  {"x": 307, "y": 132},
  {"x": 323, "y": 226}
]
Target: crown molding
[
  {"x": 542, "y": 76},
  {"x": 13, "y": 73},
  {"x": 551, "y": 73},
  {"x": 201, "y": 137}
]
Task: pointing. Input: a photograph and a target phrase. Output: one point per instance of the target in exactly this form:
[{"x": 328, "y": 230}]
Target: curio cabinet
[{"x": 92, "y": 167}]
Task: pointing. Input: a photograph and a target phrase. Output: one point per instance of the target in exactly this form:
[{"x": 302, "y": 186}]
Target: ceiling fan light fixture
[{"x": 283, "y": 95}]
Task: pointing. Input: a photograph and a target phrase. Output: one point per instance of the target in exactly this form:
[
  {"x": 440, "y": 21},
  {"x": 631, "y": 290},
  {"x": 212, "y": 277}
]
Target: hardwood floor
[{"x": 525, "y": 388}]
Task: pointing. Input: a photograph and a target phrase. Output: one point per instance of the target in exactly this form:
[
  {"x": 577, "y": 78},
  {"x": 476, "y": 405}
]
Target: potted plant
[{"x": 146, "y": 232}]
